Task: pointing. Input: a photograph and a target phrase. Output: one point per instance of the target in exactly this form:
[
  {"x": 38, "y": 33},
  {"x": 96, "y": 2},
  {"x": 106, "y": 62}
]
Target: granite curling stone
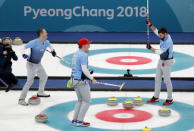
[
  {"x": 128, "y": 104},
  {"x": 164, "y": 112},
  {"x": 138, "y": 101},
  {"x": 146, "y": 129},
  {"x": 17, "y": 41},
  {"x": 34, "y": 100},
  {"x": 112, "y": 101},
  {"x": 41, "y": 118}
]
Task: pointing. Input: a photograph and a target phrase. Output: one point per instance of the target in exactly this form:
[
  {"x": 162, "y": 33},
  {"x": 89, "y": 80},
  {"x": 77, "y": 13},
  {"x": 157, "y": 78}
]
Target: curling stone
[
  {"x": 34, "y": 100},
  {"x": 41, "y": 118},
  {"x": 164, "y": 112},
  {"x": 17, "y": 41},
  {"x": 128, "y": 104},
  {"x": 138, "y": 101},
  {"x": 146, "y": 129},
  {"x": 112, "y": 101}
]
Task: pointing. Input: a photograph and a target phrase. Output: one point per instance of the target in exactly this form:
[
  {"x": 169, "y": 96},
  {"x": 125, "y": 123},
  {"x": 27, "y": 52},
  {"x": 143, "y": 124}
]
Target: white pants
[
  {"x": 164, "y": 70},
  {"x": 32, "y": 71},
  {"x": 82, "y": 90}
]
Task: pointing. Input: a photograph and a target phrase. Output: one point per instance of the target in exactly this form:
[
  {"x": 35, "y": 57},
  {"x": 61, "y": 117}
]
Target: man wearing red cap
[{"x": 79, "y": 76}]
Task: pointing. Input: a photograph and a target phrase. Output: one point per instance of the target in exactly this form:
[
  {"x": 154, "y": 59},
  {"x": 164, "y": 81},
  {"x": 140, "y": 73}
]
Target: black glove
[
  {"x": 83, "y": 77},
  {"x": 12, "y": 53},
  {"x": 148, "y": 46},
  {"x": 53, "y": 53},
  {"x": 91, "y": 72}
]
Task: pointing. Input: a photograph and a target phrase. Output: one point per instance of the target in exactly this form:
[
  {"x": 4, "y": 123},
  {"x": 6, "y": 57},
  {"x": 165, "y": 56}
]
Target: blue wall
[
  {"x": 95, "y": 15},
  {"x": 134, "y": 85}
]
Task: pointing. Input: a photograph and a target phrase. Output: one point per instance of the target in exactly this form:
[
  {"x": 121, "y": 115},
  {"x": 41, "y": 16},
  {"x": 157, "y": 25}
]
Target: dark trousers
[{"x": 7, "y": 76}]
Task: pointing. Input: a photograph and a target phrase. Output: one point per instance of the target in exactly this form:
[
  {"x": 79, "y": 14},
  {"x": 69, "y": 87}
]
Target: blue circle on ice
[
  {"x": 183, "y": 61},
  {"x": 57, "y": 116}
]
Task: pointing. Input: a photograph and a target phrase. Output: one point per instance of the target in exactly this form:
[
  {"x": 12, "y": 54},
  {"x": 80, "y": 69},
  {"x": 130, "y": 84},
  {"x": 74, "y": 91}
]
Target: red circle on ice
[
  {"x": 137, "y": 60},
  {"x": 109, "y": 115}
]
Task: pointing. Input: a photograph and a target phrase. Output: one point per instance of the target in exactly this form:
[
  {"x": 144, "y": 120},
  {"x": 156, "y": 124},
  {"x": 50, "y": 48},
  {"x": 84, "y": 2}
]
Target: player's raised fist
[{"x": 148, "y": 22}]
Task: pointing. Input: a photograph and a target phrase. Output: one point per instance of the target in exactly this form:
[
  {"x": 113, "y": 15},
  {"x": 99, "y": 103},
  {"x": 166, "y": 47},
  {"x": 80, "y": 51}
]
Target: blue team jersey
[
  {"x": 167, "y": 48},
  {"x": 79, "y": 58},
  {"x": 37, "y": 49}
]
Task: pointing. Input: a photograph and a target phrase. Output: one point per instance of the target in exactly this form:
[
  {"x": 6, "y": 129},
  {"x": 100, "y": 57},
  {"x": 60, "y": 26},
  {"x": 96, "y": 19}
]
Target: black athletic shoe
[
  {"x": 153, "y": 100},
  {"x": 168, "y": 102},
  {"x": 8, "y": 88},
  {"x": 43, "y": 95}
]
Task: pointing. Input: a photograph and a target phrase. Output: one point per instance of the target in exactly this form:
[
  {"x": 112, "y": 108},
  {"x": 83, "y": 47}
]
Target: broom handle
[
  {"x": 108, "y": 84},
  {"x": 148, "y": 28},
  {"x": 60, "y": 58}
]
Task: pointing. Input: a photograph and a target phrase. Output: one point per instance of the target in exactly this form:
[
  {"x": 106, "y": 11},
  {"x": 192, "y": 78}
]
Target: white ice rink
[
  {"x": 53, "y": 66},
  {"x": 14, "y": 117}
]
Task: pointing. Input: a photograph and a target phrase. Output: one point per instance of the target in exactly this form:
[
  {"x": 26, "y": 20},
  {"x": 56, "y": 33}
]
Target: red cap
[{"x": 84, "y": 41}]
